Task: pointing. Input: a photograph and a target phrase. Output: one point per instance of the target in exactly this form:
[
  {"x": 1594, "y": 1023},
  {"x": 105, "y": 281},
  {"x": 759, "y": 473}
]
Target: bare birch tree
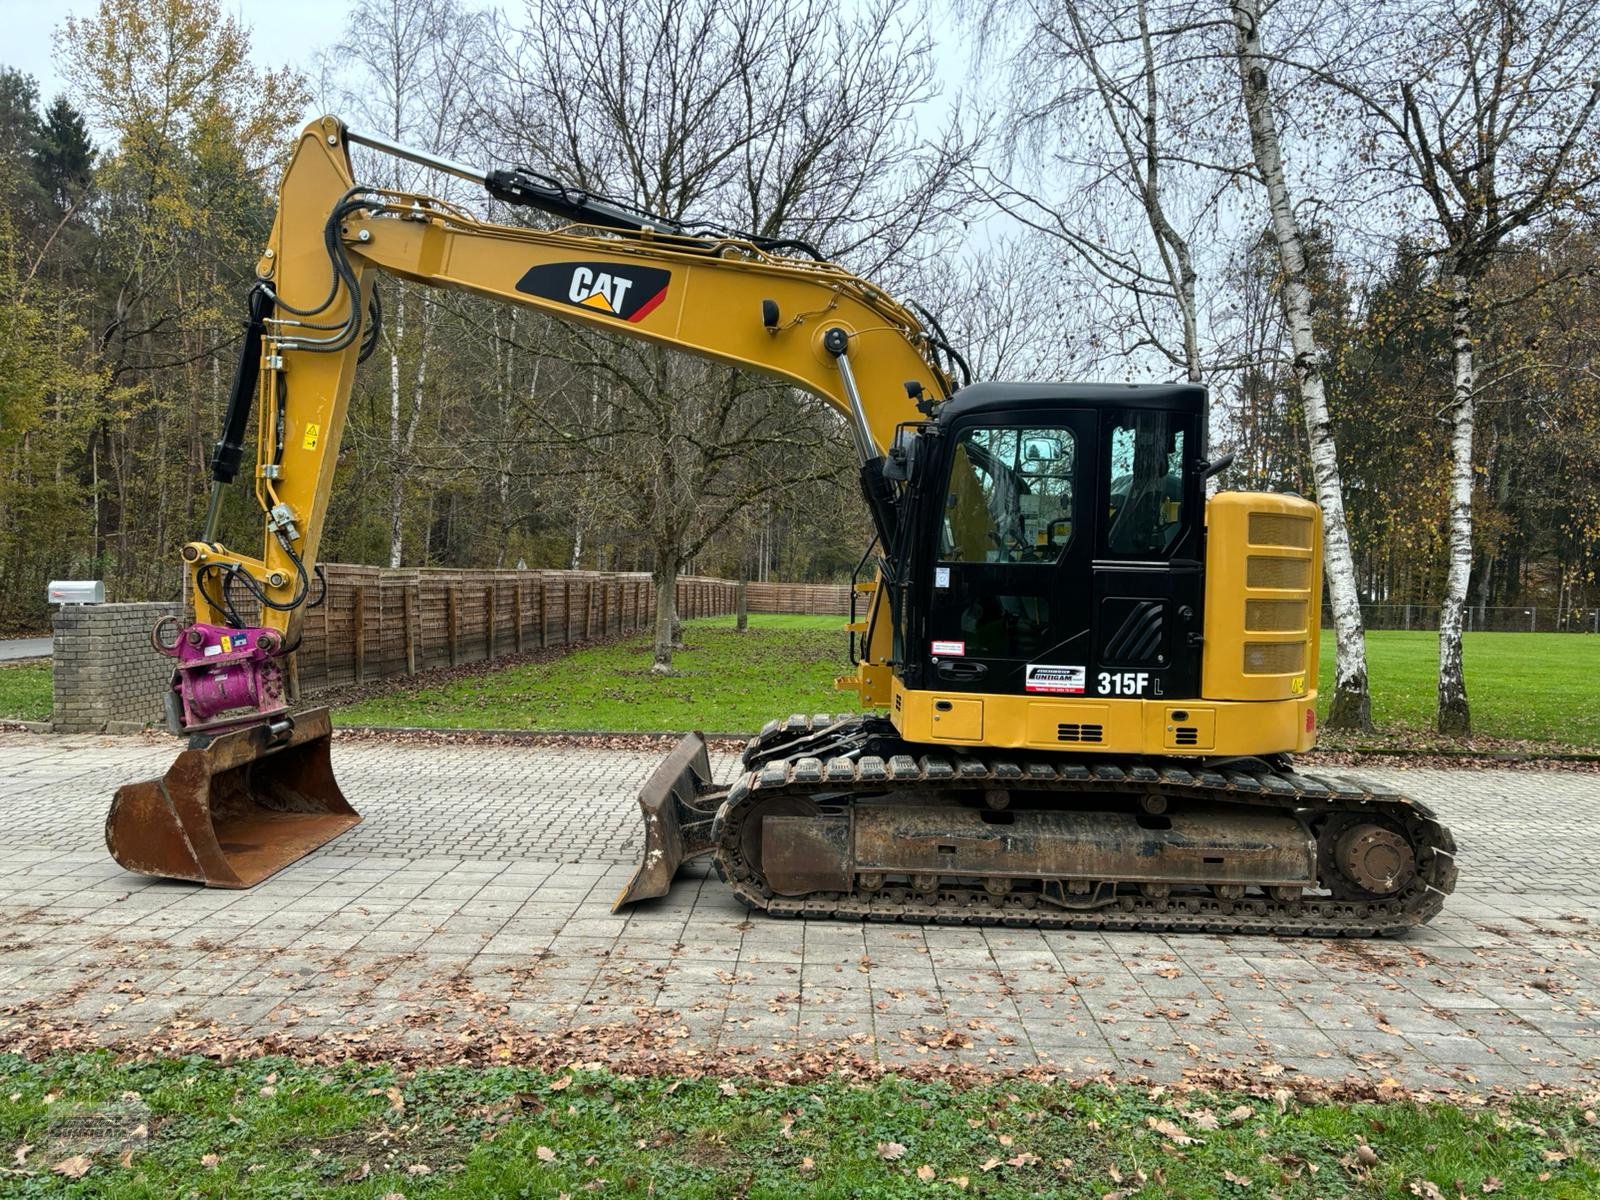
[
  {"x": 1479, "y": 120},
  {"x": 1352, "y": 704},
  {"x": 1102, "y": 121}
]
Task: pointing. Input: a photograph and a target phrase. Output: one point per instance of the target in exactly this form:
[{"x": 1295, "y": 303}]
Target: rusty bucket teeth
[
  {"x": 234, "y": 808},
  {"x": 678, "y": 803}
]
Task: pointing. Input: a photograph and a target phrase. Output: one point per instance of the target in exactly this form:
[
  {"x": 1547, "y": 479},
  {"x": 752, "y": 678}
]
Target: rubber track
[{"x": 1312, "y": 916}]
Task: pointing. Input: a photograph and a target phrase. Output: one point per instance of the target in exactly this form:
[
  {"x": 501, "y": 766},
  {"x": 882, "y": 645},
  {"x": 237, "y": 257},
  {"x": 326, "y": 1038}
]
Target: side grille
[
  {"x": 1080, "y": 733},
  {"x": 1280, "y": 529},
  {"x": 1274, "y": 616},
  {"x": 1186, "y": 735},
  {"x": 1274, "y": 658},
  {"x": 1264, "y": 572}
]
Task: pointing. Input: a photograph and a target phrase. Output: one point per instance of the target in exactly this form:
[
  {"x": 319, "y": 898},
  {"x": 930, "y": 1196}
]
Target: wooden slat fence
[
  {"x": 826, "y": 598},
  {"x": 379, "y": 623}
]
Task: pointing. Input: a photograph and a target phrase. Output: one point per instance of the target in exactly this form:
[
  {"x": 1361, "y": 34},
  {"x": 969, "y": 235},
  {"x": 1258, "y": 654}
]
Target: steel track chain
[{"x": 841, "y": 779}]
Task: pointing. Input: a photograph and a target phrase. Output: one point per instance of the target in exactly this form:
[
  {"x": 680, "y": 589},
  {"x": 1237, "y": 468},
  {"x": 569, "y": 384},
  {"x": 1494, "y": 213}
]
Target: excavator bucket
[
  {"x": 679, "y": 803},
  {"x": 234, "y": 808}
]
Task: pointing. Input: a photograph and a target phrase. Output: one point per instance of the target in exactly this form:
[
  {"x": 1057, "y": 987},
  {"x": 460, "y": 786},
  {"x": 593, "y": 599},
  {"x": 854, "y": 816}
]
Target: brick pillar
[{"x": 107, "y": 678}]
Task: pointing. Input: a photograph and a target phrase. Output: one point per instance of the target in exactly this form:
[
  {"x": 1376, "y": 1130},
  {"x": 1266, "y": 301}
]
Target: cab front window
[{"x": 1010, "y": 496}]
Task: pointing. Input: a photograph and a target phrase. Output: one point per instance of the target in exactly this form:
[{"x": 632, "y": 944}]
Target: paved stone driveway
[{"x": 478, "y": 890}]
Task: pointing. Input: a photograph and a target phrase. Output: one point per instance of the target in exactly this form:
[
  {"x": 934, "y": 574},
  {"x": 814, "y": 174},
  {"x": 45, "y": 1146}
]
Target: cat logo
[{"x": 615, "y": 289}]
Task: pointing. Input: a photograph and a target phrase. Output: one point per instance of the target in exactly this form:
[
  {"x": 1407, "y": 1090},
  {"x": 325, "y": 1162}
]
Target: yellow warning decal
[
  {"x": 227, "y": 643},
  {"x": 313, "y": 432},
  {"x": 1297, "y": 685}
]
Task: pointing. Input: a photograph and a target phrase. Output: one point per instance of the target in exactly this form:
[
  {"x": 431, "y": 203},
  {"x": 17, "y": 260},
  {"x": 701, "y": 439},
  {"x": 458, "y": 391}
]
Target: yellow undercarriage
[{"x": 1208, "y": 728}]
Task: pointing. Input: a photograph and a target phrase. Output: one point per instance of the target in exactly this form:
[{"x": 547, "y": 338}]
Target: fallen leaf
[
  {"x": 890, "y": 1151},
  {"x": 1205, "y": 1119},
  {"x": 959, "y": 1180},
  {"x": 1005, "y": 1139},
  {"x": 1025, "y": 1159},
  {"x": 1170, "y": 1131},
  {"x": 356, "y": 1174},
  {"x": 1367, "y": 1155},
  {"x": 1168, "y": 972},
  {"x": 1427, "y": 1189},
  {"x": 21, "y": 1156},
  {"x": 1492, "y": 1185},
  {"x": 209, "y": 1160},
  {"x": 727, "y": 1088},
  {"x": 989, "y": 1165},
  {"x": 393, "y": 1196},
  {"x": 396, "y": 1100},
  {"x": 561, "y": 1084},
  {"x": 1553, "y": 1156},
  {"x": 808, "y": 1164},
  {"x": 419, "y": 1169},
  {"x": 268, "y": 1090},
  {"x": 925, "y": 1172},
  {"x": 545, "y": 1154},
  {"x": 75, "y": 1167},
  {"x": 1236, "y": 1180}
]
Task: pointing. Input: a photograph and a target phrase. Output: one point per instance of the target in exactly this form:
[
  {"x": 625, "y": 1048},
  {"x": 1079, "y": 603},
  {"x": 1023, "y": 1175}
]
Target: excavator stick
[
  {"x": 679, "y": 804},
  {"x": 235, "y": 807}
]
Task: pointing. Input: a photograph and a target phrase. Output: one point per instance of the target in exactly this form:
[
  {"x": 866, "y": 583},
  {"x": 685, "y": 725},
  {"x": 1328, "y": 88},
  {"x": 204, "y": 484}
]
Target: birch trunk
[
  {"x": 1352, "y": 703},
  {"x": 402, "y": 437},
  {"x": 1455, "y": 716}
]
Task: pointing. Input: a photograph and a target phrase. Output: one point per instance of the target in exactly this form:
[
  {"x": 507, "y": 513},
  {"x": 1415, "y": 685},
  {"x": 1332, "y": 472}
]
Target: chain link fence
[{"x": 1536, "y": 618}]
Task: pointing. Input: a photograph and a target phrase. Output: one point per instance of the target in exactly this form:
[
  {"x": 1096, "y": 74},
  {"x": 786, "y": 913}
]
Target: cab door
[{"x": 1007, "y": 609}]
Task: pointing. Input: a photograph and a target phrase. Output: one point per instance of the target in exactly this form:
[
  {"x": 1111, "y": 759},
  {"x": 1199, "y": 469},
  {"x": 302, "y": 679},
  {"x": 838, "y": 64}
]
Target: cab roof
[{"x": 1019, "y": 398}]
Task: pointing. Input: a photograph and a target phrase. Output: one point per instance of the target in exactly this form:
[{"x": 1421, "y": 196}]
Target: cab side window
[
  {"x": 1145, "y": 515},
  {"x": 1010, "y": 496}
]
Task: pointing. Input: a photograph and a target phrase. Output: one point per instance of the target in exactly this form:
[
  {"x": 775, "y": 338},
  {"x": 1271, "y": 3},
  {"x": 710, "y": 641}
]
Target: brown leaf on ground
[
  {"x": 727, "y": 1088},
  {"x": 75, "y": 1167},
  {"x": 1236, "y": 1180},
  {"x": 808, "y": 1164},
  {"x": 545, "y": 1154},
  {"x": 419, "y": 1169},
  {"x": 21, "y": 1156},
  {"x": 989, "y": 1164},
  {"x": 891, "y": 1151},
  {"x": 209, "y": 1160},
  {"x": 561, "y": 1084},
  {"x": 1170, "y": 1131},
  {"x": 1243, "y": 1113},
  {"x": 1366, "y": 1155},
  {"x": 1491, "y": 1185},
  {"x": 1168, "y": 972},
  {"x": 356, "y": 1174},
  {"x": 925, "y": 1172},
  {"x": 1427, "y": 1189}
]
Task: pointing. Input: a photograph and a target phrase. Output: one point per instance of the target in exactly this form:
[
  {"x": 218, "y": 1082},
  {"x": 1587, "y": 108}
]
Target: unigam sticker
[
  {"x": 1058, "y": 680},
  {"x": 950, "y": 649}
]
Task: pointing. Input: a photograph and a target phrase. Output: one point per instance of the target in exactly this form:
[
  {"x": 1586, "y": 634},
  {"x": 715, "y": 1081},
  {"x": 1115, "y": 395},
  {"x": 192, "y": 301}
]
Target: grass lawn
[
  {"x": 25, "y": 692},
  {"x": 189, "y": 1127},
  {"x": 1542, "y": 687},
  {"x": 726, "y": 682}
]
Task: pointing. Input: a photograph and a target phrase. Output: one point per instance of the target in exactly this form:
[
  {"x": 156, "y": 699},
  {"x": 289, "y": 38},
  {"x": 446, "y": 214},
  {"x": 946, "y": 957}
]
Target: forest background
[{"x": 1368, "y": 228}]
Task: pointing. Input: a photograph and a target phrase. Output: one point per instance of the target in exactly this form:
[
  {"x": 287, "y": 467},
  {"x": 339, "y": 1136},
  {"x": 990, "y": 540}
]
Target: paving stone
[{"x": 495, "y": 866}]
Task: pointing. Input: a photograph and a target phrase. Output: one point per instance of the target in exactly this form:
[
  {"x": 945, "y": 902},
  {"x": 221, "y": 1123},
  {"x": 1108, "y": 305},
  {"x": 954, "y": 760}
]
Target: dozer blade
[
  {"x": 234, "y": 809},
  {"x": 679, "y": 804}
]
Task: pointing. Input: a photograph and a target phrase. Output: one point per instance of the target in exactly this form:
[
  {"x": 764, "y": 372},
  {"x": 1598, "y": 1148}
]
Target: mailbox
[{"x": 77, "y": 591}]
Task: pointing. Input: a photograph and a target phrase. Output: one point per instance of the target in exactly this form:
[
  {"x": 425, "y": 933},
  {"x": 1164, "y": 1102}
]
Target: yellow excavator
[{"x": 1079, "y": 678}]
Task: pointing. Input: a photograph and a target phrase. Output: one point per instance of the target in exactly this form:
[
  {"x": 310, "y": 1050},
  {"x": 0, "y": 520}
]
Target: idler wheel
[{"x": 1375, "y": 858}]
